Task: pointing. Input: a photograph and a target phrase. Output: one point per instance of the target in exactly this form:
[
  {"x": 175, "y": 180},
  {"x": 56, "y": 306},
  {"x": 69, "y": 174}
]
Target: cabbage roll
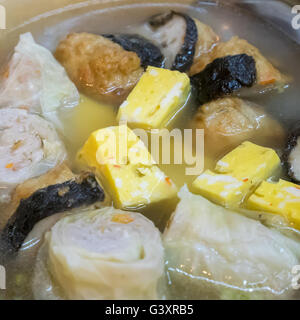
[
  {"x": 101, "y": 254},
  {"x": 34, "y": 80},
  {"x": 215, "y": 253}
]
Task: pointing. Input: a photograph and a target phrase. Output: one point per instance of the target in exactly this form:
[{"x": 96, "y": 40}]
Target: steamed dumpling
[
  {"x": 216, "y": 253},
  {"x": 102, "y": 254},
  {"x": 35, "y": 80},
  {"x": 29, "y": 147}
]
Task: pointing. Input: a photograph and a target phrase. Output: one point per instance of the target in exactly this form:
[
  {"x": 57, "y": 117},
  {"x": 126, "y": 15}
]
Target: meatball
[
  {"x": 99, "y": 67},
  {"x": 228, "y": 122}
]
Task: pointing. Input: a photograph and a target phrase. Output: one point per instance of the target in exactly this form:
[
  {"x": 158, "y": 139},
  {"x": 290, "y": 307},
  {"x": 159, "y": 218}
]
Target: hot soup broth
[{"x": 273, "y": 111}]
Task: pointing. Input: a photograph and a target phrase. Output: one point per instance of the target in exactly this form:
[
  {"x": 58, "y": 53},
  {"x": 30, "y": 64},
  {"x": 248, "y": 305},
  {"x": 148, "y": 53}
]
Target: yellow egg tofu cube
[
  {"x": 238, "y": 174},
  {"x": 250, "y": 161},
  {"x": 126, "y": 167},
  {"x": 155, "y": 100},
  {"x": 281, "y": 198},
  {"x": 222, "y": 189}
]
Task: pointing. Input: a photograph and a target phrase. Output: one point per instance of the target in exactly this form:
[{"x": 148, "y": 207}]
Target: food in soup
[
  {"x": 29, "y": 147},
  {"x": 149, "y": 53},
  {"x": 102, "y": 254},
  {"x": 227, "y": 122},
  {"x": 215, "y": 253},
  {"x": 224, "y": 76},
  {"x": 80, "y": 191},
  {"x": 291, "y": 156},
  {"x": 127, "y": 168},
  {"x": 237, "y": 174},
  {"x": 281, "y": 197},
  {"x": 236, "y": 237},
  {"x": 266, "y": 73},
  {"x": 57, "y": 175},
  {"x": 99, "y": 67},
  {"x": 156, "y": 98},
  {"x": 183, "y": 39},
  {"x": 34, "y": 80}
]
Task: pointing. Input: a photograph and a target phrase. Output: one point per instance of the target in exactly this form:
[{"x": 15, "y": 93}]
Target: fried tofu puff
[
  {"x": 267, "y": 74},
  {"x": 228, "y": 122},
  {"x": 99, "y": 67},
  {"x": 207, "y": 41}
]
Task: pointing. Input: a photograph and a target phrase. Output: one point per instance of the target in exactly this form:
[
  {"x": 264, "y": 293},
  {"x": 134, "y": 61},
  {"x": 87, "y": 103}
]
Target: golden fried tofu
[
  {"x": 266, "y": 72},
  {"x": 207, "y": 40},
  {"x": 228, "y": 122},
  {"x": 99, "y": 67}
]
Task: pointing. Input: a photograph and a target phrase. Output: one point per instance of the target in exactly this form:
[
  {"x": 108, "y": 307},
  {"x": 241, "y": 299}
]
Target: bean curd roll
[
  {"x": 102, "y": 254},
  {"x": 29, "y": 147}
]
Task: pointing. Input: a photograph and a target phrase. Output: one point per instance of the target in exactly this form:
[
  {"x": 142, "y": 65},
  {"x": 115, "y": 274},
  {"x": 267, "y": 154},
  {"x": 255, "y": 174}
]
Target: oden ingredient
[
  {"x": 99, "y": 67},
  {"x": 281, "y": 198},
  {"x": 29, "y": 147},
  {"x": 128, "y": 170},
  {"x": 35, "y": 80},
  {"x": 157, "y": 97},
  {"x": 78, "y": 192},
  {"x": 266, "y": 73},
  {"x": 237, "y": 174},
  {"x": 103, "y": 254},
  {"x": 228, "y": 122},
  {"x": 215, "y": 253}
]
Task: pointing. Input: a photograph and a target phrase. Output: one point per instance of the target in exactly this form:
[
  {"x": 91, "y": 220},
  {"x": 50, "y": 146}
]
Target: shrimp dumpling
[{"x": 35, "y": 80}]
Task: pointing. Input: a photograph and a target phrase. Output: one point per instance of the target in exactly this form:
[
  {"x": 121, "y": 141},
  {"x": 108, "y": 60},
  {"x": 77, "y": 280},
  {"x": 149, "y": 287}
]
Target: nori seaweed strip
[
  {"x": 81, "y": 191},
  {"x": 292, "y": 142},
  {"x": 149, "y": 54},
  {"x": 185, "y": 57},
  {"x": 224, "y": 76}
]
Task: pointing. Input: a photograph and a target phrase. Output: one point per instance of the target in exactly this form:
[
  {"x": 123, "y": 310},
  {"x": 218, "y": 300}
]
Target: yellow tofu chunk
[
  {"x": 157, "y": 97},
  {"x": 126, "y": 167},
  {"x": 281, "y": 198},
  {"x": 249, "y": 161},
  {"x": 223, "y": 189},
  {"x": 238, "y": 174}
]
